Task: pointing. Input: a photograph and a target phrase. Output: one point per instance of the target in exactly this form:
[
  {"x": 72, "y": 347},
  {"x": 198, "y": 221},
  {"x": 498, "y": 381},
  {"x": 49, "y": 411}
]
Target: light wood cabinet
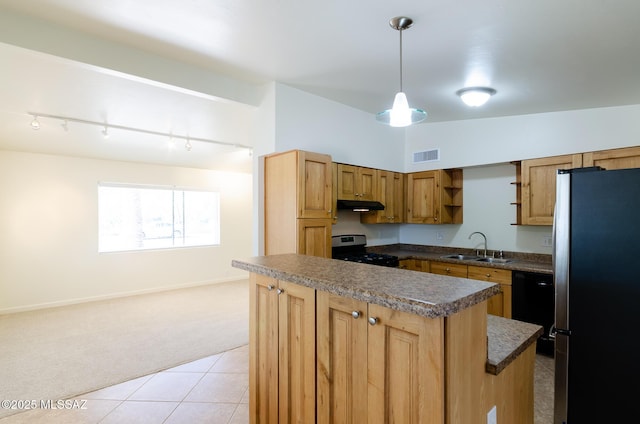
[
  {"x": 434, "y": 197},
  {"x": 499, "y": 304},
  {"x": 538, "y": 178},
  {"x": 298, "y": 203},
  {"x": 376, "y": 365},
  {"x": 390, "y": 192},
  {"x": 613, "y": 159},
  {"x": 282, "y": 358},
  {"x": 415, "y": 265},
  {"x": 446, "y": 268},
  {"x": 356, "y": 182}
]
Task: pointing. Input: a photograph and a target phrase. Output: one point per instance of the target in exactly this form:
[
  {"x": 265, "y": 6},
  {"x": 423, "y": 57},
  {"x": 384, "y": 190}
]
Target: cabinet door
[
  {"x": 315, "y": 180},
  {"x": 314, "y": 237},
  {"x": 356, "y": 182},
  {"x": 539, "y": 187},
  {"x": 263, "y": 355},
  {"x": 297, "y": 353},
  {"x": 614, "y": 159},
  {"x": 282, "y": 353},
  {"x": 406, "y": 368},
  {"x": 445, "y": 268},
  {"x": 423, "y": 200},
  {"x": 499, "y": 304},
  {"x": 342, "y": 359},
  {"x": 390, "y": 192}
]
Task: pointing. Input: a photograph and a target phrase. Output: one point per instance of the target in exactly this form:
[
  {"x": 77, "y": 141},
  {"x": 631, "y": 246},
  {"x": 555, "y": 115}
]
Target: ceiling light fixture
[
  {"x": 105, "y": 132},
  {"x": 401, "y": 115},
  {"x": 188, "y": 145},
  {"x": 475, "y": 96},
  {"x": 35, "y": 124},
  {"x": 65, "y": 125}
]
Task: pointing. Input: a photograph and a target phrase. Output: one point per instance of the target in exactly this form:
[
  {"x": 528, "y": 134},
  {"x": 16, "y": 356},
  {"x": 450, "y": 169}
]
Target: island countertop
[{"x": 424, "y": 294}]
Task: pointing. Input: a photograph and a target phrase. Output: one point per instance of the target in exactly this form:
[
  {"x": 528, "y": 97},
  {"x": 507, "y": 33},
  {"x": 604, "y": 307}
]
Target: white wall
[
  {"x": 499, "y": 140},
  {"x": 483, "y": 147},
  {"x": 308, "y": 122},
  {"x": 48, "y": 221}
]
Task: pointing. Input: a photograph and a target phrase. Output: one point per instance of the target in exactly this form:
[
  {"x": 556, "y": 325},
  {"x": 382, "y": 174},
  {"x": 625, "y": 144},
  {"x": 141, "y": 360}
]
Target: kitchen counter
[
  {"x": 424, "y": 294},
  {"x": 531, "y": 262},
  {"x": 419, "y": 293}
]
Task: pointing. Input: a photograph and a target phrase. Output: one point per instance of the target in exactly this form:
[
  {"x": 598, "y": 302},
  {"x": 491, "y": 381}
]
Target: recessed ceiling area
[{"x": 539, "y": 56}]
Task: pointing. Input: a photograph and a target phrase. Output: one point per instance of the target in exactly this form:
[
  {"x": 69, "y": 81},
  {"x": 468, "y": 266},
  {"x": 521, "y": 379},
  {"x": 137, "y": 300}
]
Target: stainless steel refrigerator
[{"x": 596, "y": 259}]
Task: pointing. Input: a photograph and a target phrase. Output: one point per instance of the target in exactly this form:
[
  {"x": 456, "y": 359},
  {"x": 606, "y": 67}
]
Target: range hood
[{"x": 360, "y": 205}]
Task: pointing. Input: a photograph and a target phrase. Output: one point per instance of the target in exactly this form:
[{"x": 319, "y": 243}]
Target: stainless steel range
[{"x": 352, "y": 247}]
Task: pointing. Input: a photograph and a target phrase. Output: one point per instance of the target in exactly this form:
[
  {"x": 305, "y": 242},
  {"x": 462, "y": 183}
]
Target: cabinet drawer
[
  {"x": 444, "y": 268},
  {"x": 492, "y": 275}
]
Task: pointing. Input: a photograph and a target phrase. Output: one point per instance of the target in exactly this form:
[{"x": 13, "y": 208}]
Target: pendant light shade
[{"x": 401, "y": 115}]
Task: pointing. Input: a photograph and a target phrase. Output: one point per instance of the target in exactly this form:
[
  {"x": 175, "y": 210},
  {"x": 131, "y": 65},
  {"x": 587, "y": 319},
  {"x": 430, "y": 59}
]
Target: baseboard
[{"x": 68, "y": 302}]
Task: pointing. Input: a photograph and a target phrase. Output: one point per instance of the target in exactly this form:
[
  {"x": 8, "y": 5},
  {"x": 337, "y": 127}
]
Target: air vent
[{"x": 427, "y": 156}]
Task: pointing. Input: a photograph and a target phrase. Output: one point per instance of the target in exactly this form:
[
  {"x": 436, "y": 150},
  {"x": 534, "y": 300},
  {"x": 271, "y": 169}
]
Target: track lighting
[{"x": 35, "y": 124}]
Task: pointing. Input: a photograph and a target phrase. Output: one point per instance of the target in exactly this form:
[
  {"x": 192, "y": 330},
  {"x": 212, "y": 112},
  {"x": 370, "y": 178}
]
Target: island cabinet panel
[
  {"x": 282, "y": 359},
  {"x": 466, "y": 356},
  {"x": 342, "y": 359},
  {"x": 377, "y": 365}
]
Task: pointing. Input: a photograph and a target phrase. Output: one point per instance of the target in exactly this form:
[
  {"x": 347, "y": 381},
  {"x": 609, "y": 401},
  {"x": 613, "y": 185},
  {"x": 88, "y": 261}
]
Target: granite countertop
[
  {"x": 508, "y": 338},
  {"x": 420, "y": 293},
  {"x": 531, "y": 262}
]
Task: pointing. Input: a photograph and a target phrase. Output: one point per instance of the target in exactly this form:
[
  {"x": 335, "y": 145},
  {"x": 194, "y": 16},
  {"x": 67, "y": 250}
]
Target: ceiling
[{"x": 540, "y": 56}]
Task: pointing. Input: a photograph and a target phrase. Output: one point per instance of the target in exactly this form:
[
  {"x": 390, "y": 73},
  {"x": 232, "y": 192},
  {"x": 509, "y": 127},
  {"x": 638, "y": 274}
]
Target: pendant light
[{"x": 401, "y": 115}]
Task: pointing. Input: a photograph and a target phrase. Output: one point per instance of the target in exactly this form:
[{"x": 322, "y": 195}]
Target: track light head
[{"x": 35, "y": 124}]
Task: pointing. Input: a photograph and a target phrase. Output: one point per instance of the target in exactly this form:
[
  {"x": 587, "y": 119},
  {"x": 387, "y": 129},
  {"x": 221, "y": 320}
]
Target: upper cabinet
[
  {"x": 298, "y": 203},
  {"x": 538, "y": 177},
  {"x": 434, "y": 197},
  {"x": 389, "y": 192},
  {"x": 536, "y": 180},
  {"x": 613, "y": 159},
  {"x": 356, "y": 182}
]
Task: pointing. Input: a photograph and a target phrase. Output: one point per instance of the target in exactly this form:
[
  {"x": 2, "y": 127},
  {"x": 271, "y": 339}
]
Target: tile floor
[{"x": 212, "y": 390}]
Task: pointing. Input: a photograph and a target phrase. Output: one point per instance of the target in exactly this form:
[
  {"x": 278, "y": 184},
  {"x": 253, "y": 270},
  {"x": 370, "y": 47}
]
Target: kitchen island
[{"x": 336, "y": 341}]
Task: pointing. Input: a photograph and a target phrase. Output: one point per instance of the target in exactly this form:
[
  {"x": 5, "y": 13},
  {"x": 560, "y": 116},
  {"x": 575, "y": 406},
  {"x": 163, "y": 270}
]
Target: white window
[{"x": 138, "y": 218}]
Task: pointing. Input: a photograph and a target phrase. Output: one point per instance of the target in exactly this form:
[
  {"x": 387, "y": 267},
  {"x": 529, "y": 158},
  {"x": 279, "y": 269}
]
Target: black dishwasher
[{"x": 533, "y": 300}]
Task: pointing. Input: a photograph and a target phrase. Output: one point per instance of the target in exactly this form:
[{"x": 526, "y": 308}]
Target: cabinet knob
[
  {"x": 448, "y": 269},
  {"x": 488, "y": 275},
  {"x": 270, "y": 287},
  {"x": 355, "y": 314},
  {"x": 280, "y": 291},
  {"x": 373, "y": 320}
]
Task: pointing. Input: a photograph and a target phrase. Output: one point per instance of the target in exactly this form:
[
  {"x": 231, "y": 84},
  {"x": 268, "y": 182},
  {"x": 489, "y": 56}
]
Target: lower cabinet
[
  {"x": 282, "y": 385},
  {"x": 499, "y": 304},
  {"x": 445, "y": 268},
  {"x": 377, "y": 365},
  {"x": 415, "y": 264}
]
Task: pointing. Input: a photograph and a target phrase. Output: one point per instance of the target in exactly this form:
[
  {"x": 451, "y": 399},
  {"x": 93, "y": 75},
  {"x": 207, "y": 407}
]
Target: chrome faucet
[{"x": 485, "y": 241}]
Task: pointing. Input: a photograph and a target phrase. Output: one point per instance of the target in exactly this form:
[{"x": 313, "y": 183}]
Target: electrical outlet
[
  {"x": 547, "y": 241},
  {"x": 439, "y": 235},
  {"x": 492, "y": 416}
]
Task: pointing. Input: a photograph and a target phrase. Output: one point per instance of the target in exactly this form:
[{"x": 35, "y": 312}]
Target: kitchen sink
[
  {"x": 461, "y": 257},
  {"x": 495, "y": 260}
]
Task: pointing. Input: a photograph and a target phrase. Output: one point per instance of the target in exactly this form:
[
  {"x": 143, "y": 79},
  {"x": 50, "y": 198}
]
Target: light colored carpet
[{"x": 61, "y": 352}]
